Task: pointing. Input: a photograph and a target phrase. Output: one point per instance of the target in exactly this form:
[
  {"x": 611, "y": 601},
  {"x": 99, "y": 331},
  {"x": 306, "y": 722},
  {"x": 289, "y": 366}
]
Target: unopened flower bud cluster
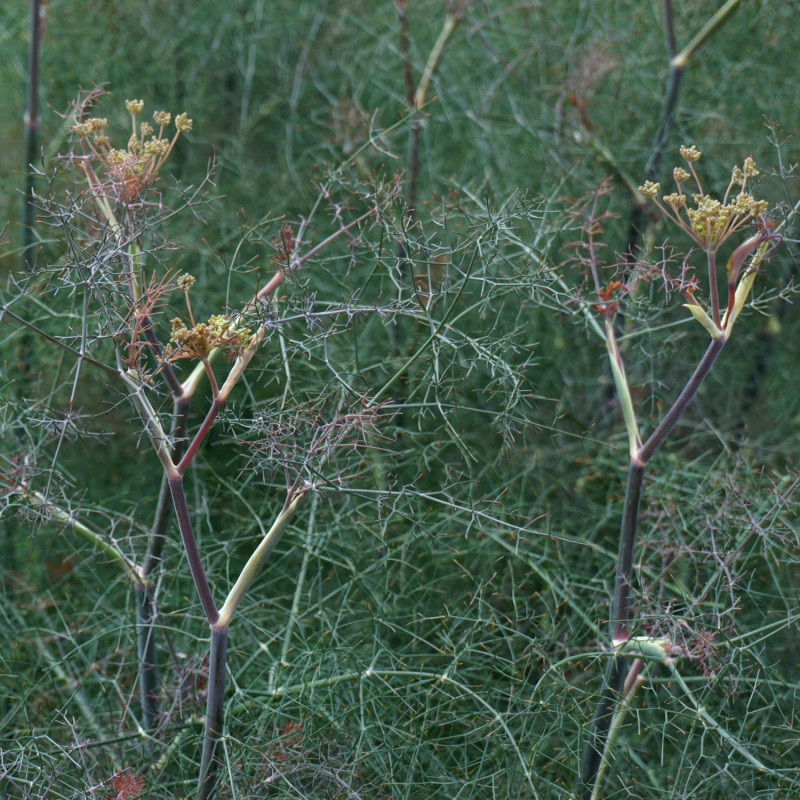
[
  {"x": 201, "y": 338},
  {"x": 709, "y": 222},
  {"x": 139, "y": 162}
]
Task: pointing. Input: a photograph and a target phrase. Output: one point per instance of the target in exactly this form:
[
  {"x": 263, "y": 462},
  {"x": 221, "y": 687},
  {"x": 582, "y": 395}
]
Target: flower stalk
[{"x": 709, "y": 223}]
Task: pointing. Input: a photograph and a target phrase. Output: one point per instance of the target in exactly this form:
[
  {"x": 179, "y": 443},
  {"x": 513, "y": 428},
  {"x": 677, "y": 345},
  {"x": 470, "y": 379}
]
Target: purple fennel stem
[
  {"x": 215, "y": 713},
  {"x": 190, "y": 546},
  {"x": 619, "y": 678},
  {"x": 621, "y": 611},
  {"x": 659, "y": 435}
]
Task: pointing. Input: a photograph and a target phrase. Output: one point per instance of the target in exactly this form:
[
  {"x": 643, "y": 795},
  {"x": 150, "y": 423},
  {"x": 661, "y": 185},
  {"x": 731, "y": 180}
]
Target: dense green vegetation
[{"x": 432, "y": 387}]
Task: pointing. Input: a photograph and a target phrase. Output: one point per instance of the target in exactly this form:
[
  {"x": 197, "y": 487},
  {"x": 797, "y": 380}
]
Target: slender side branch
[
  {"x": 260, "y": 555},
  {"x": 623, "y": 390},
  {"x": 151, "y": 421},
  {"x": 38, "y": 501},
  {"x": 680, "y": 405},
  {"x": 192, "y": 552},
  {"x": 434, "y": 58},
  {"x": 719, "y": 18},
  {"x": 201, "y": 434}
]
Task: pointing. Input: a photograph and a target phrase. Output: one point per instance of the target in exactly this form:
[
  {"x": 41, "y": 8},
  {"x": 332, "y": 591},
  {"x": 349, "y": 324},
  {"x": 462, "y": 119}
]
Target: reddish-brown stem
[
  {"x": 633, "y": 673},
  {"x": 192, "y": 552},
  {"x": 272, "y": 284},
  {"x": 298, "y": 262},
  {"x": 277, "y": 279},
  {"x": 212, "y": 380},
  {"x": 202, "y": 431},
  {"x": 189, "y": 308}
]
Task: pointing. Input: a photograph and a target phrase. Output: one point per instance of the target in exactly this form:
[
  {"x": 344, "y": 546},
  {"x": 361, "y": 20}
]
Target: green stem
[
  {"x": 623, "y": 707},
  {"x": 299, "y": 588},
  {"x": 256, "y": 561},
  {"x": 718, "y": 19},
  {"x": 38, "y": 501},
  {"x": 710, "y": 723}
]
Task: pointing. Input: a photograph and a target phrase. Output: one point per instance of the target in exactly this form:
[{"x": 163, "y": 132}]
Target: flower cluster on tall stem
[
  {"x": 134, "y": 166},
  {"x": 709, "y": 223}
]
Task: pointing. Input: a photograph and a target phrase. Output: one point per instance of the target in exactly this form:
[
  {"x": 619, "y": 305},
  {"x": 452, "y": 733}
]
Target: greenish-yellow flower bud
[
  {"x": 649, "y": 189},
  {"x": 690, "y": 153}
]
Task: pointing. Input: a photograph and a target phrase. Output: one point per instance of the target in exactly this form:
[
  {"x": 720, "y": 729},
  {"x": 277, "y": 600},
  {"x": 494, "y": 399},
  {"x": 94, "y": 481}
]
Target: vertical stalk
[
  {"x": 31, "y": 132},
  {"x": 158, "y": 532},
  {"x": 212, "y": 733},
  {"x": 147, "y": 654},
  {"x": 677, "y": 68},
  {"x": 612, "y": 695},
  {"x": 416, "y": 98},
  {"x": 149, "y": 685},
  {"x": 621, "y": 614}
]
